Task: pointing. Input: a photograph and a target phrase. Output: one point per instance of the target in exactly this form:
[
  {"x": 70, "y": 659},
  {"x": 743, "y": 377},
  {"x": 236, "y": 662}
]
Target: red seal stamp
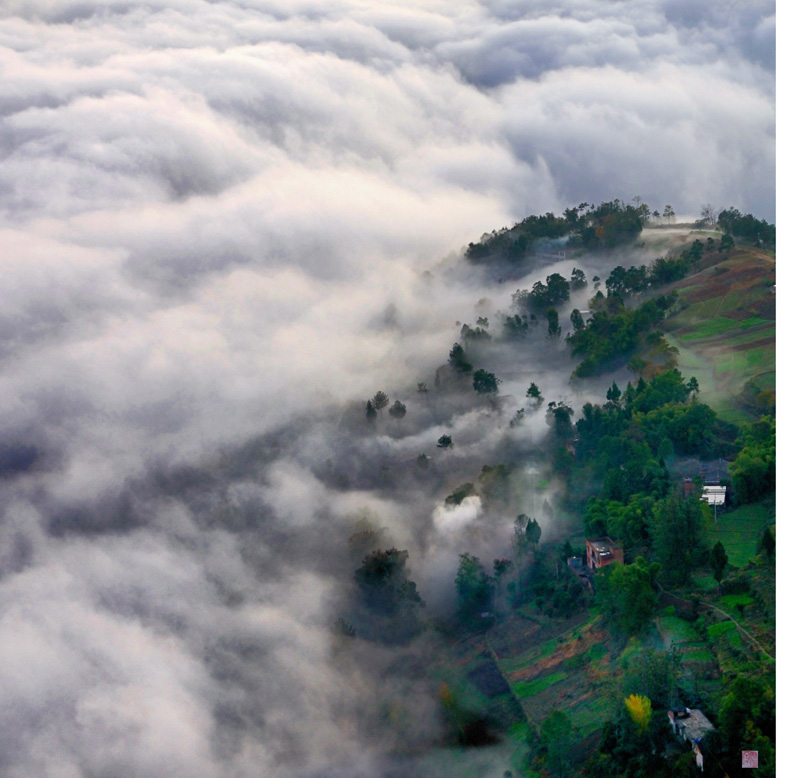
[{"x": 749, "y": 758}]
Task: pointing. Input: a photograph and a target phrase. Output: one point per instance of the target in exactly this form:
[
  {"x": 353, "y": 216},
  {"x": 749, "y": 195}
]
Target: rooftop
[
  {"x": 714, "y": 495},
  {"x": 692, "y": 724},
  {"x": 602, "y": 545}
]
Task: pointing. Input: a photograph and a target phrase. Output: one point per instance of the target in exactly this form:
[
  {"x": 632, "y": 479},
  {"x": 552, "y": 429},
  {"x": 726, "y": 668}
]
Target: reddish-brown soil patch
[
  {"x": 563, "y": 651},
  {"x": 751, "y": 345},
  {"x": 740, "y": 271}
]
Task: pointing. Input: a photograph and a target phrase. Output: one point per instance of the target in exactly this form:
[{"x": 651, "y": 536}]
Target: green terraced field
[
  {"x": 715, "y": 630},
  {"x": 530, "y": 688},
  {"x": 752, "y": 335},
  {"x": 730, "y": 601},
  {"x": 712, "y": 327}
]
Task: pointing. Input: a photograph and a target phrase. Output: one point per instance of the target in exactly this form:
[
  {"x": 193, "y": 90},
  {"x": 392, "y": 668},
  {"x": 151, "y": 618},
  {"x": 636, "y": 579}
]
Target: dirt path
[{"x": 741, "y": 629}]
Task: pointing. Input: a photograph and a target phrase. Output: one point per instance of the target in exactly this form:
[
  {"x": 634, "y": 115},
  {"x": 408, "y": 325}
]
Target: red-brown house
[{"x": 601, "y": 552}]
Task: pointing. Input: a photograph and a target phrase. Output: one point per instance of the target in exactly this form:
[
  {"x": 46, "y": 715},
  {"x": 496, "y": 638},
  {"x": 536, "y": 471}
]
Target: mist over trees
[
  {"x": 226, "y": 227},
  {"x": 593, "y": 227}
]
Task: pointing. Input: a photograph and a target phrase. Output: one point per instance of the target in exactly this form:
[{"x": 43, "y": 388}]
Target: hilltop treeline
[
  {"x": 747, "y": 226},
  {"x": 605, "y": 226},
  {"x": 592, "y": 227}
]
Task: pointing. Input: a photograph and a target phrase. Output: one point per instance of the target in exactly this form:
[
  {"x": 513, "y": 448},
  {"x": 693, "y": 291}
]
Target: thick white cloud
[{"x": 215, "y": 219}]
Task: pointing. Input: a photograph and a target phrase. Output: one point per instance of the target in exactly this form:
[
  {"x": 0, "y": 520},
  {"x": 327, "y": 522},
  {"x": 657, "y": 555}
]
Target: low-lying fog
[{"x": 225, "y": 226}]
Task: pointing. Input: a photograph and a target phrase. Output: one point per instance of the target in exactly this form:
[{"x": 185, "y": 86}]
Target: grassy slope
[
  {"x": 739, "y": 530},
  {"x": 725, "y": 330}
]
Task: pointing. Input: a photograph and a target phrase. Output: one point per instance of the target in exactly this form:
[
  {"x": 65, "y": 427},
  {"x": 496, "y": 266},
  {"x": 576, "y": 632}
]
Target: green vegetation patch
[
  {"x": 713, "y": 327},
  {"x": 741, "y": 363},
  {"x": 530, "y": 688},
  {"x": 549, "y": 647},
  {"x": 677, "y": 630},
  {"x": 766, "y": 380},
  {"x": 733, "y": 600},
  {"x": 751, "y": 335},
  {"x": 739, "y": 530},
  {"x": 706, "y": 583},
  {"x": 520, "y": 732},
  {"x": 590, "y": 714},
  {"x": 698, "y": 655},
  {"x": 715, "y": 630},
  {"x": 732, "y": 301},
  {"x": 753, "y": 321},
  {"x": 522, "y": 660},
  {"x": 597, "y": 651}
]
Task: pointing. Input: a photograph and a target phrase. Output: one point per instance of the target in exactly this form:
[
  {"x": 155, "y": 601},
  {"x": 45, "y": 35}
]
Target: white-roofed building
[{"x": 714, "y": 495}]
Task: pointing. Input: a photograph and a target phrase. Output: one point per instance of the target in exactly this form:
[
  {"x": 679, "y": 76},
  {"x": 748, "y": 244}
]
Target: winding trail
[{"x": 741, "y": 629}]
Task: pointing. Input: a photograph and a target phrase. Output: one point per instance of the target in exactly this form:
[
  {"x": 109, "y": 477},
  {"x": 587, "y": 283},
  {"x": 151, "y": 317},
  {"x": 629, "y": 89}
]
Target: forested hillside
[{"x": 565, "y": 669}]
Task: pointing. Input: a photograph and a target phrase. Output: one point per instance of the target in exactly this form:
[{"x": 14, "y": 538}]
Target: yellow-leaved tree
[{"x": 639, "y": 708}]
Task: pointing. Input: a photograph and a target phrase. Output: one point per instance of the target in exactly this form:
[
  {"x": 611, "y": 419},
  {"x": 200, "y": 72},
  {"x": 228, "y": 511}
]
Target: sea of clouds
[{"x": 215, "y": 222}]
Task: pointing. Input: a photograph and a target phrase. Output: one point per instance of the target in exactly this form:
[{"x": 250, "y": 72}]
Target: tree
[
  {"x": 577, "y": 320},
  {"x": 627, "y": 594},
  {"x": 639, "y": 708},
  {"x": 561, "y": 416},
  {"x": 654, "y": 673},
  {"x": 515, "y": 327},
  {"x": 556, "y": 732},
  {"x": 384, "y": 584},
  {"x": 726, "y": 243},
  {"x": 749, "y": 701},
  {"x": 733, "y": 222},
  {"x": 578, "y": 279},
  {"x": 718, "y": 561},
  {"x": 753, "y": 472},
  {"x": 614, "y": 394},
  {"x": 444, "y": 441},
  {"x": 708, "y": 214},
  {"x": 423, "y": 461},
  {"x": 380, "y": 400},
  {"x": 679, "y": 535},
  {"x": 398, "y": 409},
  {"x": 520, "y": 540},
  {"x": 553, "y": 292},
  {"x": 344, "y": 628},
  {"x": 693, "y": 386},
  {"x": 474, "y": 589},
  {"x": 534, "y": 394},
  {"x": 485, "y": 383},
  {"x": 458, "y": 360},
  {"x": 518, "y": 418},
  {"x": 668, "y": 214},
  {"x": 421, "y": 388},
  {"x": 533, "y": 532},
  {"x": 501, "y": 568},
  {"x": 372, "y": 414},
  {"x": 460, "y": 493},
  {"x": 527, "y": 533},
  {"x": 766, "y": 543},
  {"x": 553, "y": 327}
]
